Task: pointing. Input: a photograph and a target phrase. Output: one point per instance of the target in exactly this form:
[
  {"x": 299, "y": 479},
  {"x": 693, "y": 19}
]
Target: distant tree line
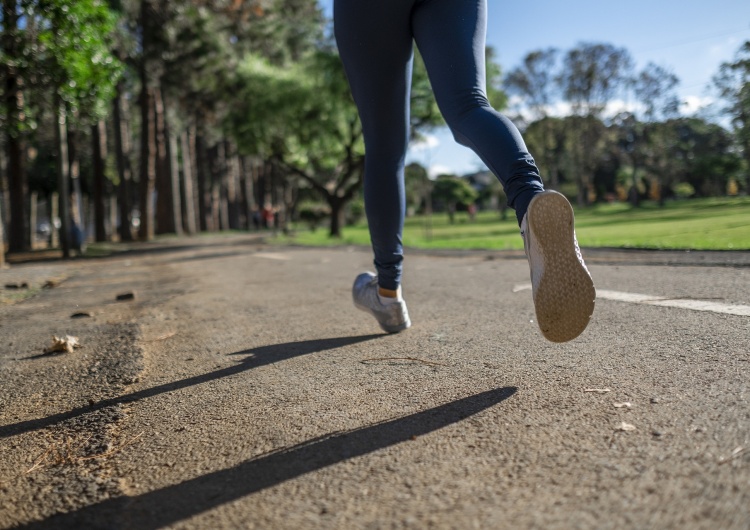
[
  {"x": 621, "y": 134},
  {"x": 130, "y": 118}
]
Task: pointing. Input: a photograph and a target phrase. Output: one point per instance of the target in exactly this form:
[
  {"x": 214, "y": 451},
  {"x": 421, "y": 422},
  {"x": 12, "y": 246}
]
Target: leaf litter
[{"x": 66, "y": 344}]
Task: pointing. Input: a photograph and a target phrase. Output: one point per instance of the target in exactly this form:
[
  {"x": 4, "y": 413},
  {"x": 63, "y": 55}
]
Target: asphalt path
[{"x": 240, "y": 388}]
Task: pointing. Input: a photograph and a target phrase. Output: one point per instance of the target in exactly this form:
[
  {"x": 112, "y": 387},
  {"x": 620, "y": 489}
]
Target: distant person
[
  {"x": 267, "y": 214},
  {"x": 375, "y": 41}
]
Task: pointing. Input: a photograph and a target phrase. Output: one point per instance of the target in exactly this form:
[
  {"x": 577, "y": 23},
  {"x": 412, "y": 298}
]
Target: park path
[{"x": 241, "y": 389}]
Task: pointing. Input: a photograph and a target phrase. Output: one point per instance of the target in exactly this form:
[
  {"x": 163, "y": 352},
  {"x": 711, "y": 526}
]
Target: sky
[{"x": 691, "y": 38}]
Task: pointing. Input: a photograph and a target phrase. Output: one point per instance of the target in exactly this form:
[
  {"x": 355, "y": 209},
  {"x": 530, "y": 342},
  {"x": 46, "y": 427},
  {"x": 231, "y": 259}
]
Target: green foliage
[
  {"x": 593, "y": 73},
  {"x": 453, "y": 190},
  {"x": 424, "y": 110},
  {"x": 534, "y": 80},
  {"x": 75, "y": 52},
  {"x": 282, "y": 31},
  {"x": 417, "y": 186},
  {"x": 355, "y": 212},
  {"x": 495, "y": 91},
  {"x": 654, "y": 89},
  {"x": 312, "y": 213},
  {"x": 684, "y": 190},
  {"x": 271, "y": 101},
  {"x": 733, "y": 83}
]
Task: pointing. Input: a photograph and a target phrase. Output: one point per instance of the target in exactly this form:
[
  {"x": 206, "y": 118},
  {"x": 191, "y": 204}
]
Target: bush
[
  {"x": 312, "y": 213},
  {"x": 355, "y": 212},
  {"x": 684, "y": 190}
]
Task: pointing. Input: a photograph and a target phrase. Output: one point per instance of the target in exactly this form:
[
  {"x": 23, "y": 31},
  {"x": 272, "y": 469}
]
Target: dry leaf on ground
[
  {"x": 63, "y": 344},
  {"x": 625, "y": 427}
]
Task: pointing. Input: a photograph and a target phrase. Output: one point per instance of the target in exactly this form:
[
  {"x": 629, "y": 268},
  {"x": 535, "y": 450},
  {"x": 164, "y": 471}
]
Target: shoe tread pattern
[{"x": 565, "y": 295}]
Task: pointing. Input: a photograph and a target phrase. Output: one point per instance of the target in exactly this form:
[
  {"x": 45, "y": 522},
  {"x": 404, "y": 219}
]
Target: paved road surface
[{"x": 241, "y": 389}]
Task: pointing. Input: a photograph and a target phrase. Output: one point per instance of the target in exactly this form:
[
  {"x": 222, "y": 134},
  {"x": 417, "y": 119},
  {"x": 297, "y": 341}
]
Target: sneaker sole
[{"x": 565, "y": 297}]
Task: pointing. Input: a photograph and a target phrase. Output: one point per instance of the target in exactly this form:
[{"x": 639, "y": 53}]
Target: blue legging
[{"x": 375, "y": 40}]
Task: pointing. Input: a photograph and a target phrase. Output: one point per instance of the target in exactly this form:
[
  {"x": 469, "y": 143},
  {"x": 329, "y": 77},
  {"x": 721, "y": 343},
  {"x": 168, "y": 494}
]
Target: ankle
[
  {"x": 389, "y": 296},
  {"x": 387, "y": 293}
]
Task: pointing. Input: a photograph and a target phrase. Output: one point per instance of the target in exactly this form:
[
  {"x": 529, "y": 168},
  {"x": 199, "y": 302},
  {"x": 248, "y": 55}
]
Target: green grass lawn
[{"x": 701, "y": 224}]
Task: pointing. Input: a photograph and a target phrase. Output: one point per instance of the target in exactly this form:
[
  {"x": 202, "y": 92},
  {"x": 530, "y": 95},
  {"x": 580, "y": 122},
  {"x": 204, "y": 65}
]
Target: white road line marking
[
  {"x": 636, "y": 298},
  {"x": 272, "y": 255},
  {"x": 521, "y": 287}
]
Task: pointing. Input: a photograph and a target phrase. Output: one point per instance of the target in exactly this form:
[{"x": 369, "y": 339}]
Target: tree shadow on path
[
  {"x": 256, "y": 357},
  {"x": 169, "y": 505}
]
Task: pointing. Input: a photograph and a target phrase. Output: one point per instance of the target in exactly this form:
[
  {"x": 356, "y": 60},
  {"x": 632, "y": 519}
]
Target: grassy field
[{"x": 700, "y": 224}]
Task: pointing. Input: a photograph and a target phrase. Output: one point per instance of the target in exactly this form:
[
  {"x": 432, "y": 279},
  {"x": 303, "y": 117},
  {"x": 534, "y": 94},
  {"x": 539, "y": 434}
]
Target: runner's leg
[
  {"x": 375, "y": 44},
  {"x": 450, "y": 35}
]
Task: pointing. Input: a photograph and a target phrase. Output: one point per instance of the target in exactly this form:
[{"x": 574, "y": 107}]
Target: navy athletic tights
[{"x": 375, "y": 39}]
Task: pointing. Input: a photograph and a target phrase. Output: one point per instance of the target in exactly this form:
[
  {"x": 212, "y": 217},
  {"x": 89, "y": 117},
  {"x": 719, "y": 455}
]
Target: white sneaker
[
  {"x": 562, "y": 287},
  {"x": 391, "y": 317}
]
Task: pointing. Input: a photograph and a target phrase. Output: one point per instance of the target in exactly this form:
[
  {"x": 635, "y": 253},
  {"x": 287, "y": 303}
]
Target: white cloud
[
  {"x": 617, "y": 106},
  {"x": 425, "y": 143},
  {"x": 562, "y": 109},
  {"x": 438, "y": 169},
  {"x": 693, "y": 104}
]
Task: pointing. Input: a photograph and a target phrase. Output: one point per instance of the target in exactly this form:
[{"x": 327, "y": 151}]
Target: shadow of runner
[
  {"x": 172, "y": 504},
  {"x": 260, "y": 356}
]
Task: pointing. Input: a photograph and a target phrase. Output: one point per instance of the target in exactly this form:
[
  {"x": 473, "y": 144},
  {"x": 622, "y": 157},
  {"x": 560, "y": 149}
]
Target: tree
[
  {"x": 654, "y": 89},
  {"x": 12, "y": 66},
  {"x": 2, "y": 239},
  {"x": 69, "y": 57},
  {"x": 534, "y": 82},
  {"x": 733, "y": 83},
  {"x": 548, "y": 137},
  {"x": 417, "y": 186},
  {"x": 424, "y": 112},
  {"x": 209, "y": 39},
  {"x": 705, "y": 153},
  {"x": 452, "y": 191},
  {"x": 593, "y": 73}
]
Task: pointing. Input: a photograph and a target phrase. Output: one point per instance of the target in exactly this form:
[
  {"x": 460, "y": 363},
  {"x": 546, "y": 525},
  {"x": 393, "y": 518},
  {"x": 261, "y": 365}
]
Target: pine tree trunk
[
  {"x": 174, "y": 178},
  {"x": 2, "y": 239},
  {"x": 53, "y": 209},
  {"x": 17, "y": 233},
  {"x": 214, "y": 191},
  {"x": 204, "y": 194},
  {"x": 222, "y": 182},
  {"x": 76, "y": 201},
  {"x": 122, "y": 154},
  {"x": 215, "y": 208},
  {"x": 112, "y": 217},
  {"x": 99, "y": 144},
  {"x": 148, "y": 129},
  {"x": 63, "y": 179},
  {"x": 164, "y": 219},
  {"x": 16, "y": 188},
  {"x": 33, "y": 203},
  {"x": 187, "y": 183},
  {"x": 249, "y": 169},
  {"x": 233, "y": 185},
  {"x": 148, "y": 164}
]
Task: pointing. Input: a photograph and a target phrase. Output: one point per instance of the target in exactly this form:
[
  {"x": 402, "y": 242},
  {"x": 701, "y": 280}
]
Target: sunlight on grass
[{"x": 701, "y": 224}]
